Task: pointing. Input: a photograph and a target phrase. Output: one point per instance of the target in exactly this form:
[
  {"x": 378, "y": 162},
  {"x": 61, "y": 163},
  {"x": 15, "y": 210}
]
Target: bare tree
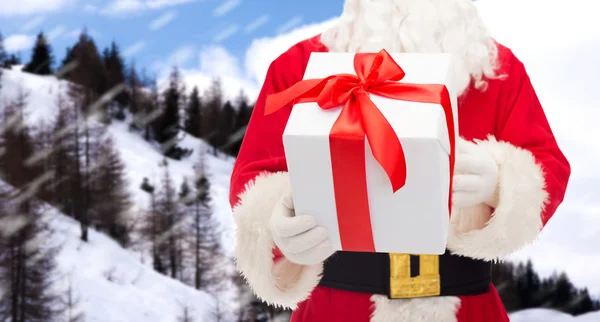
[{"x": 71, "y": 302}]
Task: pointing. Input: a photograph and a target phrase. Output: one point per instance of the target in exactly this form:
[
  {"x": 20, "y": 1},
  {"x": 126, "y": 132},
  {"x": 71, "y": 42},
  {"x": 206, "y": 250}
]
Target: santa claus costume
[{"x": 510, "y": 177}]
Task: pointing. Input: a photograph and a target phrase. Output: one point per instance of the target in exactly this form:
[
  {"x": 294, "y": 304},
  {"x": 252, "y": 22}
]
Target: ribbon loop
[{"x": 377, "y": 71}]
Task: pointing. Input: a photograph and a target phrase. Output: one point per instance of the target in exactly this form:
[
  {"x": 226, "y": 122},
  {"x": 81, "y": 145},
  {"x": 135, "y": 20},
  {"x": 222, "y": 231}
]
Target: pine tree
[
  {"x": 528, "y": 285},
  {"x": 67, "y": 64},
  {"x": 17, "y": 145},
  {"x": 193, "y": 116},
  {"x": 167, "y": 126},
  {"x": 211, "y": 116},
  {"x": 62, "y": 159},
  {"x": 242, "y": 118},
  {"x": 135, "y": 95},
  {"x": 206, "y": 234},
  {"x": 115, "y": 69},
  {"x": 169, "y": 224},
  {"x": 26, "y": 265},
  {"x": 3, "y": 54},
  {"x": 90, "y": 74},
  {"x": 169, "y": 121},
  {"x": 244, "y": 298},
  {"x": 85, "y": 146},
  {"x": 564, "y": 294},
  {"x": 150, "y": 111},
  {"x": 503, "y": 277},
  {"x": 226, "y": 125},
  {"x": 152, "y": 228},
  {"x": 13, "y": 60},
  {"x": 112, "y": 199},
  {"x": 41, "y": 57}
]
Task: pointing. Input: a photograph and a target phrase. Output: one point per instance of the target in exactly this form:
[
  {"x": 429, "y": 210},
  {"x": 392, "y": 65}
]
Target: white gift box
[{"x": 413, "y": 220}]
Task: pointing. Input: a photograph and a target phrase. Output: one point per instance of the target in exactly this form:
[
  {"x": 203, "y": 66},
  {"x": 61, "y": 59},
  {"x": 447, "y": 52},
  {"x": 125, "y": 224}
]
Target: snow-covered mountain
[{"x": 115, "y": 284}]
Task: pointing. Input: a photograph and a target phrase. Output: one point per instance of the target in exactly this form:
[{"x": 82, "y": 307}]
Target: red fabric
[{"x": 509, "y": 110}]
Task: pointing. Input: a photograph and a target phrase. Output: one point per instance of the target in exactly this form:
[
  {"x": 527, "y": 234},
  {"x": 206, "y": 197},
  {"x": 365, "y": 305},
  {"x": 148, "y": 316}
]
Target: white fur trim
[
  {"x": 478, "y": 233},
  {"x": 430, "y": 309},
  {"x": 284, "y": 284}
]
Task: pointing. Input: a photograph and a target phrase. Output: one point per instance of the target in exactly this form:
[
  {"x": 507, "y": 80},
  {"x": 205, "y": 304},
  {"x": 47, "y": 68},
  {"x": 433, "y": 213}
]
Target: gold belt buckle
[{"x": 426, "y": 283}]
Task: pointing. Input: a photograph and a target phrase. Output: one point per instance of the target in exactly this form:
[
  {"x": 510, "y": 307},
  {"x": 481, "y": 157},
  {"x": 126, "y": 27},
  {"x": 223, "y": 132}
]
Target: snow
[
  {"x": 113, "y": 285},
  {"x": 546, "y": 315},
  {"x": 136, "y": 292},
  {"x": 41, "y": 92},
  {"x": 141, "y": 158}
]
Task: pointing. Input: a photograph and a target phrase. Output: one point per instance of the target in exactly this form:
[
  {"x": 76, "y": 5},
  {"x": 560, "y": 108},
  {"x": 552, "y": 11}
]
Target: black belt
[{"x": 401, "y": 276}]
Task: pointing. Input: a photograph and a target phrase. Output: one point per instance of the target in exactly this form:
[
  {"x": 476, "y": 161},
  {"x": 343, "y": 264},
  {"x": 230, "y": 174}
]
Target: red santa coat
[{"x": 506, "y": 119}]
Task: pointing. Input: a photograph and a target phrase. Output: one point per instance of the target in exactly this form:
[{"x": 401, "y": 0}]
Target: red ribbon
[{"x": 378, "y": 74}]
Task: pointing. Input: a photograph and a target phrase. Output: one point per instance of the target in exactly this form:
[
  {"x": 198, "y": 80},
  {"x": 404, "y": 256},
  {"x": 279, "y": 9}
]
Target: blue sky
[{"x": 154, "y": 29}]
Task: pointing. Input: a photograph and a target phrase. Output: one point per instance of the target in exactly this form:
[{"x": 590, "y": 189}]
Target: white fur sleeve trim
[
  {"x": 517, "y": 218},
  {"x": 284, "y": 284}
]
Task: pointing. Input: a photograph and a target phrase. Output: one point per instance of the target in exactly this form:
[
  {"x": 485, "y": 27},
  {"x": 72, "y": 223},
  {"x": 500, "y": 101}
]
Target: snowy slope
[
  {"x": 141, "y": 158},
  {"x": 544, "y": 315},
  {"x": 137, "y": 293},
  {"x": 113, "y": 285},
  {"x": 109, "y": 283}
]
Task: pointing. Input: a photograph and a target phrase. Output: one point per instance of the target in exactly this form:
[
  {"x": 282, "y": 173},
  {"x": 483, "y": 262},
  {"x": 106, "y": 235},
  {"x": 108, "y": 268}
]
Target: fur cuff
[
  {"x": 282, "y": 283},
  {"x": 516, "y": 220}
]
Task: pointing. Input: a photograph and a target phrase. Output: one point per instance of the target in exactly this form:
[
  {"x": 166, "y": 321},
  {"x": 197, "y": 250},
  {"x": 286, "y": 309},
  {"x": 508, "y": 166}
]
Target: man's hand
[
  {"x": 298, "y": 237},
  {"x": 475, "y": 176}
]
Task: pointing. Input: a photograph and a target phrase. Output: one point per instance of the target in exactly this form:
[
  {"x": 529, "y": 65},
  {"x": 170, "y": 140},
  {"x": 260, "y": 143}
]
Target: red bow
[{"x": 377, "y": 74}]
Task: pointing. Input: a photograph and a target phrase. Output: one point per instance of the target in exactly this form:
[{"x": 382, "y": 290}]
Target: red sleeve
[
  {"x": 523, "y": 123},
  {"x": 262, "y": 147}
]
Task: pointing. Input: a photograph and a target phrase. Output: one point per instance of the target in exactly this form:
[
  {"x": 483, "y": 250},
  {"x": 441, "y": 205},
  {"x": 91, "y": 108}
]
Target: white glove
[
  {"x": 298, "y": 237},
  {"x": 475, "y": 176}
]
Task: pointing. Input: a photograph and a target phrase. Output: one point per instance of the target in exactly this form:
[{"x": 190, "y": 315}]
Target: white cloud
[
  {"x": 33, "y": 23},
  {"x": 226, "y": 33},
  {"x": 216, "y": 61},
  {"x": 226, "y": 6},
  {"x": 14, "y": 43},
  {"x": 260, "y": 21},
  {"x": 90, "y": 8},
  {"x": 178, "y": 57},
  {"x": 163, "y": 20},
  {"x": 264, "y": 50},
  {"x": 56, "y": 32},
  {"x": 127, "y": 7},
  {"x": 119, "y": 7},
  {"x": 134, "y": 48},
  {"x": 292, "y": 23},
  {"x": 158, "y": 4},
  {"x": 29, "y": 7}
]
